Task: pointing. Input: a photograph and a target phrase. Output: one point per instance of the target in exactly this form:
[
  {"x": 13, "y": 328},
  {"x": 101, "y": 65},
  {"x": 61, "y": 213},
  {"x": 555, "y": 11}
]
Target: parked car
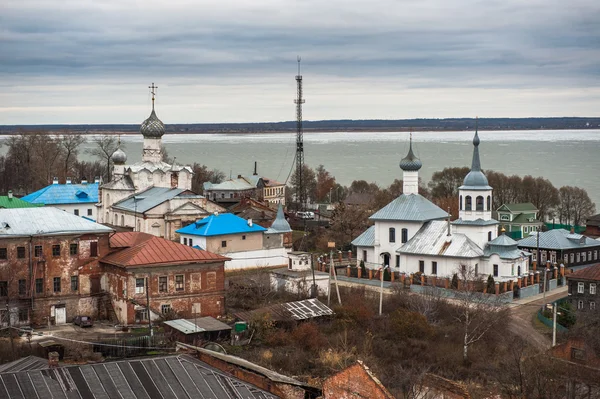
[
  {"x": 83, "y": 321},
  {"x": 25, "y": 331}
]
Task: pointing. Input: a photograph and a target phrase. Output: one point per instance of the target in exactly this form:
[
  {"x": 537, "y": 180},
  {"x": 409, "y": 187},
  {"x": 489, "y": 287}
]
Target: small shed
[
  {"x": 192, "y": 331},
  {"x": 289, "y": 312}
]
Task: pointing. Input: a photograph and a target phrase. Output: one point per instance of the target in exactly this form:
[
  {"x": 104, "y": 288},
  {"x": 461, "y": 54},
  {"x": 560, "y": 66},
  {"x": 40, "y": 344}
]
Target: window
[
  {"x": 94, "y": 248},
  {"x": 56, "y": 284},
  {"x": 580, "y": 288},
  {"x": 364, "y": 255},
  {"x": 37, "y": 252},
  {"x": 398, "y": 261},
  {"x": 39, "y": 285},
  {"x": 392, "y": 234},
  {"x": 460, "y": 208},
  {"x": 468, "y": 205},
  {"x": 223, "y": 244},
  {"x": 76, "y": 212},
  {"x": 165, "y": 308},
  {"x": 89, "y": 212},
  {"x": 489, "y": 236},
  {"x": 505, "y": 218},
  {"x": 21, "y": 252},
  {"x": 211, "y": 280},
  {"x": 512, "y": 269},
  {"x": 572, "y": 258},
  {"x": 56, "y": 250},
  {"x": 74, "y": 283},
  {"x": 477, "y": 269},
  {"x": 184, "y": 241},
  {"x": 489, "y": 202},
  {"x": 479, "y": 203},
  {"x": 596, "y": 255},
  {"x": 592, "y": 288},
  {"x": 577, "y": 354},
  {"x": 422, "y": 266},
  {"x": 73, "y": 249},
  {"x": 139, "y": 285},
  {"x": 122, "y": 220},
  {"x": 584, "y": 257},
  {"x": 434, "y": 268},
  {"x": 179, "y": 282},
  {"x": 22, "y": 287},
  {"x": 589, "y": 255},
  {"x": 3, "y": 288},
  {"x": 244, "y": 237},
  {"x": 578, "y": 257},
  {"x": 592, "y": 305},
  {"x": 495, "y": 270},
  {"x": 580, "y": 305},
  {"x": 404, "y": 235},
  {"x": 163, "y": 283},
  {"x": 23, "y": 314},
  {"x": 3, "y": 253},
  {"x": 191, "y": 242}
]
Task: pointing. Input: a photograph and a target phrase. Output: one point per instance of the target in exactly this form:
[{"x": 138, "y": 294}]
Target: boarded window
[
  {"x": 94, "y": 248},
  {"x": 211, "y": 280},
  {"x": 20, "y": 252}
]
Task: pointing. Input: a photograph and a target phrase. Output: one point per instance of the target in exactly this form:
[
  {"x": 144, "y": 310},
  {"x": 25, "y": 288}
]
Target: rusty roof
[
  {"x": 289, "y": 311},
  {"x": 141, "y": 249},
  {"x": 589, "y": 273}
]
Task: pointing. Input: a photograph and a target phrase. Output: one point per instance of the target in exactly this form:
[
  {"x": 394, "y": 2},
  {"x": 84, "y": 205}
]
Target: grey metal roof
[
  {"x": 558, "y": 239},
  {"x": 201, "y": 324},
  {"x": 170, "y": 377},
  {"x": 366, "y": 239},
  {"x": 432, "y": 239},
  {"x": 411, "y": 207},
  {"x": 26, "y": 363},
  {"x": 280, "y": 225},
  {"x": 232, "y": 184},
  {"x": 505, "y": 247},
  {"x": 148, "y": 199},
  {"x": 45, "y": 221},
  {"x": 476, "y": 222}
]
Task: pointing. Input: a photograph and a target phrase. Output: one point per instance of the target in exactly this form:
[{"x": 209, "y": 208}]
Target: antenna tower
[{"x": 300, "y": 184}]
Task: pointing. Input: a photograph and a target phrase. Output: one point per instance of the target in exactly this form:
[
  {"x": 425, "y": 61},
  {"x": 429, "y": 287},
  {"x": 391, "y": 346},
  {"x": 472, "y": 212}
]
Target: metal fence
[{"x": 130, "y": 345}]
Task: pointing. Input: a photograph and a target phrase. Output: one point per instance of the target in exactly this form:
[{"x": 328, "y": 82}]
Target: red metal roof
[
  {"x": 140, "y": 249},
  {"x": 589, "y": 273}
]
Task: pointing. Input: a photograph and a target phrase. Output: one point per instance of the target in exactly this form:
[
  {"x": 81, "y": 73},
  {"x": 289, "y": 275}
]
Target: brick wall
[{"x": 355, "y": 382}]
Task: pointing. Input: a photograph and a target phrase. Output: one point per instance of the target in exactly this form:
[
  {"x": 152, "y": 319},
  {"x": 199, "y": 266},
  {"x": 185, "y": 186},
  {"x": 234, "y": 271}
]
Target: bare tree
[
  {"x": 70, "y": 143},
  {"x": 478, "y": 313},
  {"x": 106, "y": 145},
  {"x": 575, "y": 205}
]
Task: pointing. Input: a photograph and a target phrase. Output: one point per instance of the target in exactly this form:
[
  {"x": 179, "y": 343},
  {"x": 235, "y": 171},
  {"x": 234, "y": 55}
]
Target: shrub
[
  {"x": 407, "y": 324},
  {"x": 308, "y": 336}
]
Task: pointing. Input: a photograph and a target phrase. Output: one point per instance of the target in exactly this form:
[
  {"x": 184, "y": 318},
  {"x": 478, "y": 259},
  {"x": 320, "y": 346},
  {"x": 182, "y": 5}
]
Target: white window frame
[
  {"x": 138, "y": 289},
  {"x": 580, "y": 288},
  {"x": 592, "y": 305},
  {"x": 579, "y": 305},
  {"x": 592, "y": 289}
]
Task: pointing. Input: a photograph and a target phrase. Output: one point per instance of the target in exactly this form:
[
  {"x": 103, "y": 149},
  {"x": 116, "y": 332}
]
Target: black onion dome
[
  {"x": 410, "y": 163},
  {"x": 152, "y": 127}
]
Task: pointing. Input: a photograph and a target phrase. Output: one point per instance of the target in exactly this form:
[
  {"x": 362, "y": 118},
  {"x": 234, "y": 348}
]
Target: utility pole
[
  {"x": 148, "y": 305},
  {"x": 300, "y": 184},
  {"x": 383, "y": 267},
  {"x": 554, "y": 324}
]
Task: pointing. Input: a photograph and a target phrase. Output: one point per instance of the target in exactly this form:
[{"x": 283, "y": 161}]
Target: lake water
[{"x": 565, "y": 157}]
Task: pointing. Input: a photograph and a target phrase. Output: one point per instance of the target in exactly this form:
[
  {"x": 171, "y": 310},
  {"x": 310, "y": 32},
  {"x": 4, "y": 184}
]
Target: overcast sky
[{"x": 91, "y": 61}]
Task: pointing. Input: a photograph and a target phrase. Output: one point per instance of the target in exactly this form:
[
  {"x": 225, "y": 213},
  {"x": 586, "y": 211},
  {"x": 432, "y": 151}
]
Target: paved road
[{"x": 522, "y": 316}]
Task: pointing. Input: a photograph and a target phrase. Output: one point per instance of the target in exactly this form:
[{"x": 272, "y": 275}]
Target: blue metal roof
[
  {"x": 56, "y": 194},
  {"x": 221, "y": 224},
  {"x": 148, "y": 199}
]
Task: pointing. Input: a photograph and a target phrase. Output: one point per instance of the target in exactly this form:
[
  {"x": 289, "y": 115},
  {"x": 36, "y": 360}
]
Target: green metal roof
[
  {"x": 521, "y": 207},
  {"x": 12, "y": 203}
]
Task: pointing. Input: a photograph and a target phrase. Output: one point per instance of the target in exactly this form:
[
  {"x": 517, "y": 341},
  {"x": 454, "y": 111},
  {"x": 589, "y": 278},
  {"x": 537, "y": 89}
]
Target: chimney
[
  {"x": 84, "y": 181},
  {"x": 249, "y": 222},
  {"x": 55, "y": 180},
  {"x": 68, "y": 180},
  {"x": 239, "y": 176},
  {"x": 97, "y": 179},
  {"x": 53, "y": 358},
  {"x": 573, "y": 230},
  {"x": 10, "y": 194},
  {"x": 255, "y": 167},
  {"x": 449, "y": 231}
]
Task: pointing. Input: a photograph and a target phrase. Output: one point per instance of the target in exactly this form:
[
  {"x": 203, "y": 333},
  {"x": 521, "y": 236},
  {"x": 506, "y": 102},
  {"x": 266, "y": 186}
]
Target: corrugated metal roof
[
  {"x": 143, "y": 249},
  {"x": 56, "y": 194},
  {"x": 589, "y": 273},
  {"x": 505, "y": 247},
  {"x": 366, "y": 239},
  {"x": 15, "y": 203},
  {"x": 168, "y": 377},
  {"x": 201, "y": 324},
  {"x": 184, "y": 326},
  {"x": 148, "y": 199},
  {"x": 45, "y": 221},
  {"x": 238, "y": 184},
  {"x": 432, "y": 239},
  {"x": 26, "y": 363},
  {"x": 476, "y": 222},
  {"x": 299, "y": 310},
  {"x": 411, "y": 207},
  {"x": 520, "y": 207},
  {"x": 557, "y": 239},
  {"x": 221, "y": 224}
]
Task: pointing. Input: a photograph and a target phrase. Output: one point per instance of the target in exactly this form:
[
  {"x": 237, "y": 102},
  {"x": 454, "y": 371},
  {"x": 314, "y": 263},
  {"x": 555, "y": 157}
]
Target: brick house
[
  {"x": 180, "y": 278},
  {"x": 49, "y": 265},
  {"x": 592, "y": 226},
  {"x": 583, "y": 288},
  {"x": 355, "y": 382}
]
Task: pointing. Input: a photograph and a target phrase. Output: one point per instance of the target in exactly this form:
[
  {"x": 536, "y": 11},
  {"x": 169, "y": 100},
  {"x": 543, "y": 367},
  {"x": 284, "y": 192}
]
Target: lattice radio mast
[{"x": 300, "y": 184}]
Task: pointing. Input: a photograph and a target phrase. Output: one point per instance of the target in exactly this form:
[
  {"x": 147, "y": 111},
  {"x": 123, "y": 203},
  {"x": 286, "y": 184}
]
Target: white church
[
  {"x": 151, "y": 196},
  {"x": 411, "y": 234}
]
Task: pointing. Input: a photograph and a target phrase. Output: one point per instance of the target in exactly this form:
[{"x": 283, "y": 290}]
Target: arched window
[
  {"x": 392, "y": 234},
  {"x": 460, "y": 208},
  {"x": 107, "y": 199},
  {"x": 116, "y": 220},
  {"x": 489, "y": 236},
  {"x": 489, "y": 203},
  {"x": 404, "y": 235},
  {"x": 122, "y": 220},
  {"x": 479, "y": 204},
  {"x": 468, "y": 206},
  {"x": 107, "y": 219}
]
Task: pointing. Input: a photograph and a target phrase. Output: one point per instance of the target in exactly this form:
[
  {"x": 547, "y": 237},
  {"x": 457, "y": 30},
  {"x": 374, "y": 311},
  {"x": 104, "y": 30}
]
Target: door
[
  {"x": 61, "y": 315},
  {"x": 386, "y": 259}
]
